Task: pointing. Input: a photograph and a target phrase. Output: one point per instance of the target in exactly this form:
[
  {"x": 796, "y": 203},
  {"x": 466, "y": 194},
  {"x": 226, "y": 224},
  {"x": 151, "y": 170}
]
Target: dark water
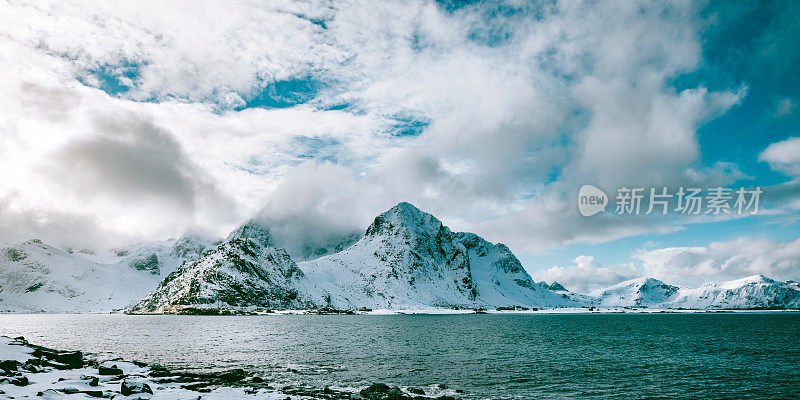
[{"x": 532, "y": 356}]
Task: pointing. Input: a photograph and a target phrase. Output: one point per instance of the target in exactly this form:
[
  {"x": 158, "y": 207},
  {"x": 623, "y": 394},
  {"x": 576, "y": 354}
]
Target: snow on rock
[
  {"x": 37, "y": 277},
  {"x": 407, "y": 259},
  {"x": 752, "y": 292},
  {"x": 635, "y": 293},
  {"x": 557, "y": 287},
  {"x": 246, "y": 271},
  {"x": 34, "y": 372},
  {"x": 755, "y": 292},
  {"x": 14, "y": 350}
]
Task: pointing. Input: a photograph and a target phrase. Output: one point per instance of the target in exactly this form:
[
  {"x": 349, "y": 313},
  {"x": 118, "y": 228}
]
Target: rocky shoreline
[{"x": 31, "y": 371}]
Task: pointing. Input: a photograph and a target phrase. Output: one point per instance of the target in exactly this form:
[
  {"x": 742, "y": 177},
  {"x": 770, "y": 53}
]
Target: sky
[{"x": 140, "y": 120}]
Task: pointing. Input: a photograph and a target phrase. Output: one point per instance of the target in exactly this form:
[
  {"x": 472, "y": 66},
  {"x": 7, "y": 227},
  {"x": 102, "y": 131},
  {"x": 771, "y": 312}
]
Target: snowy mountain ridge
[
  {"x": 37, "y": 277},
  {"x": 406, "y": 259},
  {"x": 409, "y": 259},
  {"x": 754, "y": 292},
  {"x": 246, "y": 270}
]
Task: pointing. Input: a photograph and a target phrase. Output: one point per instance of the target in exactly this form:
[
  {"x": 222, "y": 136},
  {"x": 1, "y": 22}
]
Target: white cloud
[
  {"x": 685, "y": 266},
  {"x": 783, "y": 156},
  {"x": 721, "y": 261},
  {"x": 586, "y": 275},
  {"x": 517, "y": 122},
  {"x": 214, "y": 50}
]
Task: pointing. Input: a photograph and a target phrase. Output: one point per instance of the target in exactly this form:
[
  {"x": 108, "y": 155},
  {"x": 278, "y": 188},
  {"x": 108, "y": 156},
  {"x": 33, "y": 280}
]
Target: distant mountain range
[
  {"x": 407, "y": 259},
  {"x": 748, "y": 293},
  {"x": 36, "y": 277}
]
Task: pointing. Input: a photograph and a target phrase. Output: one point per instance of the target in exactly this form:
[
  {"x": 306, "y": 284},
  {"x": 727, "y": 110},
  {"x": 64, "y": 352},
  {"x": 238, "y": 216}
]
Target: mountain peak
[
  {"x": 254, "y": 231},
  {"x": 405, "y": 211},
  {"x": 750, "y": 280},
  {"x": 404, "y": 216},
  {"x": 557, "y": 287}
]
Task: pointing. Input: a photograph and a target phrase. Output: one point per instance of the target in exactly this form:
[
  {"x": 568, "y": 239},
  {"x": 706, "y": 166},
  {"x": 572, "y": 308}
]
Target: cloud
[
  {"x": 685, "y": 266},
  {"x": 723, "y": 261},
  {"x": 514, "y": 113},
  {"x": 316, "y": 207},
  {"x": 132, "y": 160},
  {"x": 783, "y": 156},
  {"x": 221, "y": 52},
  {"x": 586, "y": 275}
]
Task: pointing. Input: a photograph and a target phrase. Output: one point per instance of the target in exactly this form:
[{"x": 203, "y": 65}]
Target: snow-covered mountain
[
  {"x": 752, "y": 292},
  {"x": 635, "y": 293},
  {"x": 37, "y": 277},
  {"x": 755, "y": 292},
  {"x": 406, "y": 259},
  {"x": 246, "y": 271}
]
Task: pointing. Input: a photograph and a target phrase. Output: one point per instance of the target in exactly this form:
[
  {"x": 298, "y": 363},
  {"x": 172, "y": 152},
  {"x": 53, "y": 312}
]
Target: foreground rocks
[{"x": 28, "y": 371}]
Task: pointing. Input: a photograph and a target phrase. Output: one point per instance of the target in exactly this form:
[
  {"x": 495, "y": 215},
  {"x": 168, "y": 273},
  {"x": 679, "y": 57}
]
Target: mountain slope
[
  {"x": 408, "y": 259},
  {"x": 755, "y": 292},
  {"x": 748, "y": 293},
  {"x": 635, "y": 293},
  {"x": 246, "y": 271},
  {"x": 36, "y": 277}
]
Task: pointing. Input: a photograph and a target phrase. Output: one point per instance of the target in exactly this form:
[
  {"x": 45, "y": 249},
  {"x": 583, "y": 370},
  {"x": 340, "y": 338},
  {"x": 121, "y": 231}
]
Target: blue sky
[
  {"x": 747, "y": 44},
  {"x": 136, "y": 122}
]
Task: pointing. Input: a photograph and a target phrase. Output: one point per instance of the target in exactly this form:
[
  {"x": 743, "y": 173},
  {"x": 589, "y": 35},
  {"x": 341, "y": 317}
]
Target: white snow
[
  {"x": 11, "y": 349},
  {"x": 37, "y": 277},
  {"x": 746, "y": 293},
  {"x": 407, "y": 260}
]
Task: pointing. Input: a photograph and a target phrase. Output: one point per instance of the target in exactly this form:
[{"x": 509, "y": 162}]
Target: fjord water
[{"x": 494, "y": 356}]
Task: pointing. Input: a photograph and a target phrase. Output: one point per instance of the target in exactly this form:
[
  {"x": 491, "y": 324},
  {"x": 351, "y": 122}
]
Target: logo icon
[{"x": 591, "y": 200}]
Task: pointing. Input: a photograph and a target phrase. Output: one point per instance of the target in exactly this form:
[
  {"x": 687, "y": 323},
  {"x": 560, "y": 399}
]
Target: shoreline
[
  {"x": 32, "y": 371},
  {"x": 422, "y": 311}
]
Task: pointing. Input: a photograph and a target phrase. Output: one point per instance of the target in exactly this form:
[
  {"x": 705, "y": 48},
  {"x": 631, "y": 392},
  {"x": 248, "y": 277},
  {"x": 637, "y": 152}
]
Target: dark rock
[
  {"x": 9, "y": 366},
  {"x": 257, "y": 379},
  {"x": 73, "y": 359},
  {"x": 381, "y": 391},
  {"x": 445, "y": 398},
  {"x": 159, "y": 372},
  {"x": 112, "y": 370},
  {"x": 55, "y": 364},
  {"x": 20, "y": 381},
  {"x": 128, "y": 388},
  {"x": 234, "y": 375},
  {"x": 197, "y": 387},
  {"x": 95, "y": 381},
  {"x": 416, "y": 391}
]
